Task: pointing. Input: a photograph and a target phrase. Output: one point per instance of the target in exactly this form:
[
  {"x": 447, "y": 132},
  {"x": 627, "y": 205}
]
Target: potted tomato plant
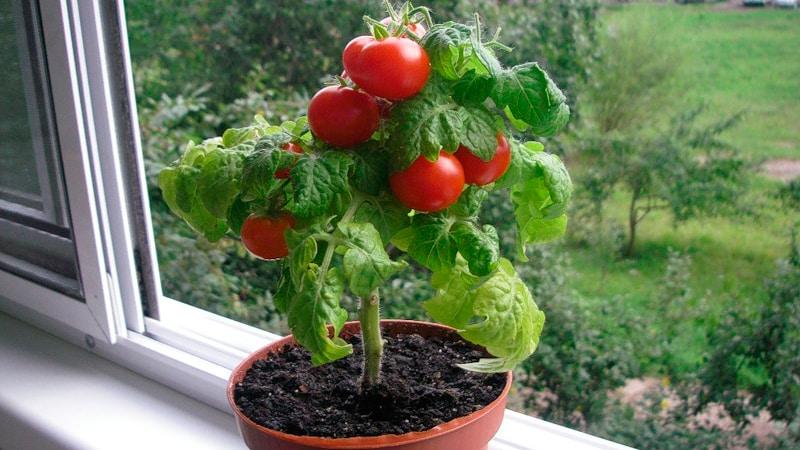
[{"x": 389, "y": 169}]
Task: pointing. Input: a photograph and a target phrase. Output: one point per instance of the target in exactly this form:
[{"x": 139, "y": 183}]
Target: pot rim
[{"x": 357, "y": 442}]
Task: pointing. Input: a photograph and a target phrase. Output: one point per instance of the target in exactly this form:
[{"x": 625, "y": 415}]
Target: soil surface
[{"x": 421, "y": 388}]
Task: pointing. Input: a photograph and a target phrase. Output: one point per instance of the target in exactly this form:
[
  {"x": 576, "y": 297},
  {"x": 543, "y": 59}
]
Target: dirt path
[{"x": 782, "y": 169}]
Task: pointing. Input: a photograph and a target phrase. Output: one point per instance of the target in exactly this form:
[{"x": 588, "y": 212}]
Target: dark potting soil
[{"x": 421, "y": 388}]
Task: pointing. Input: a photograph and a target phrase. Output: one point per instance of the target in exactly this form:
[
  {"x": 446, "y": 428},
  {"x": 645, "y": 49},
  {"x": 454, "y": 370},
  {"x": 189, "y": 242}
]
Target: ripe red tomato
[
  {"x": 282, "y": 174},
  {"x": 394, "y": 68},
  {"x": 342, "y": 116},
  {"x": 429, "y": 186},
  {"x": 480, "y": 172},
  {"x": 263, "y": 236},
  {"x": 416, "y": 28}
]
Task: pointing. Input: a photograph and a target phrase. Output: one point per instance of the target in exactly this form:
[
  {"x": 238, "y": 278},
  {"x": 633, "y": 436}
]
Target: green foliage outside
[{"x": 195, "y": 76}]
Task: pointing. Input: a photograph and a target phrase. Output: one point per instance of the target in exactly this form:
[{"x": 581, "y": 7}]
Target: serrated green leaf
[
  {"x": 540, "y": 198},
  {"x": 237, "y": 214},
  {"x": 370, "y": 170},
  {"x": 479, "y": 246},
  {"x": 186, "y": 187},
  {"x": 366, "y": 263},
  {"x": 218, "y": 184},
  {"x": 385, "y": 214},
  {"x": 531, "y": 96},
  {"x": 197, "y": 217},
  {"x": 260, "y": 165},
  {"x": 317, "y": 180},
  {"x": 235, "y": 136},
  {"x": 302, "y": 251},
  {"x": 424, "y": 125},
  {"x": 473, "y": 88},
  {"x": 314, "y": 305},
  {"x": 469, "y": 203},
  {"x": 508, "y": 321},
  {"x": 479, "y": 133},
  {"x": 452, "y": 305},
  {"x": 444, "y": 43},
  {"x": 432, "y": 243}
]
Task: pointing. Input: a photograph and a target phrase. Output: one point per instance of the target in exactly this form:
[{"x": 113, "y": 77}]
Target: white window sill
[{"x": 54, "y": 395}]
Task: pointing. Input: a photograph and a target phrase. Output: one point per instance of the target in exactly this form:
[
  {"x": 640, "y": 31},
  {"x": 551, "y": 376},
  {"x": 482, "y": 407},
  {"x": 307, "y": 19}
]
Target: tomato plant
[
  {"x": 480, "y": 172},
  {"x": 415, "y": 27},
  {"x": 342, "y": 116},
  {"x": 264, "y": 236},
  {"x": 429, "y": 186},
  {"x": 361, "y": 182}
]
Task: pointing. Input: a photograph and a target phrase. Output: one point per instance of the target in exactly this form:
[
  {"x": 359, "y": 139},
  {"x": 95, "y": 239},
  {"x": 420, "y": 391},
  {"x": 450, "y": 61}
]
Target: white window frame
[{"x": 178, "y": 345}]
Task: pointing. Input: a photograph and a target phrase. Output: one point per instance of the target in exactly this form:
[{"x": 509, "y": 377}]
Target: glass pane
[
  {"x": 17, "y": 159},
  {"x": 29, "y": 176},
  {"x": 35, "y": 239}
]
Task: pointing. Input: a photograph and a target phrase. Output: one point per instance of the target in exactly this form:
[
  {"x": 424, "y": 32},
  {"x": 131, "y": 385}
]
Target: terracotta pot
[{"x": 471, "y": 432}]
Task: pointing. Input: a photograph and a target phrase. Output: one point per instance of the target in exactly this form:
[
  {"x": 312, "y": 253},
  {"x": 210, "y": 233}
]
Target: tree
[{"x": 630, "y": 140}]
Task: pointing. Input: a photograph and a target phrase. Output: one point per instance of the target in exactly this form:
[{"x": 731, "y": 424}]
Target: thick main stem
[{"x": 370, "y": 318}]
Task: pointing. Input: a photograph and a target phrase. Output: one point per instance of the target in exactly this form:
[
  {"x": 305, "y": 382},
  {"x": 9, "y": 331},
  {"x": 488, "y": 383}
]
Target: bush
[{"x": 761, "y": 354}]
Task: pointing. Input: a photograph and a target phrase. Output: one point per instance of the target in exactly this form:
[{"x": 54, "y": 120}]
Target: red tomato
[
  {"x": 263, "y": 236},
  {"x": 394, "y": 68},
  {"x": 480, "y": 172},
  {"x": 429, "y": 186},
  {"x": 342, "y": 116},
  {"x": 416, "y": 28},
  {"x": 289, "y": 147}
]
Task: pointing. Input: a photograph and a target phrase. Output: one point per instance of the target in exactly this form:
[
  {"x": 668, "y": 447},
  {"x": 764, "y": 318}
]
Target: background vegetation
[{"x": 684, "y": 337}]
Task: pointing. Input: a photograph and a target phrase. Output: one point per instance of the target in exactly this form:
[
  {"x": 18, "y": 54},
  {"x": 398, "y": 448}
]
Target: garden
[{"x": 673, "y": 299}]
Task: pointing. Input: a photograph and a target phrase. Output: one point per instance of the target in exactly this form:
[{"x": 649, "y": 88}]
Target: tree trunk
[{"x": 627, "y": 251}]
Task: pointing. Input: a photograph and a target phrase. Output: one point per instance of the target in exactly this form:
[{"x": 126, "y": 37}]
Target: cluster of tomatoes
[{"x": 384, "y": 71}]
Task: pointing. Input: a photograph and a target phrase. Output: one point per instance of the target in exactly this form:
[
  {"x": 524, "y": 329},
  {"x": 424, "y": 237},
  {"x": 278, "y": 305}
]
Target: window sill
[{"x": 55, "y": 395}]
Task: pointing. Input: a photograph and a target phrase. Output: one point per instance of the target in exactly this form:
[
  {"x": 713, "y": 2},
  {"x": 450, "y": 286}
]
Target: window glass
[{"x": 35, "y": 240}]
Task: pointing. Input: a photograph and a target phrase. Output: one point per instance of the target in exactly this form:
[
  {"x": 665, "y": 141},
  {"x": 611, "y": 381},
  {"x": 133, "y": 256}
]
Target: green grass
[
  {"x": 739, "y": 60},
  {"x": 736, "y": 60}
]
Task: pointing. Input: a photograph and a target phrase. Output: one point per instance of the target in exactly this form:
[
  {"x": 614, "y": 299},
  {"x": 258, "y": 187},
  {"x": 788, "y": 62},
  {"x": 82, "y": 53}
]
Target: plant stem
[{"x": 370, "y": 317}]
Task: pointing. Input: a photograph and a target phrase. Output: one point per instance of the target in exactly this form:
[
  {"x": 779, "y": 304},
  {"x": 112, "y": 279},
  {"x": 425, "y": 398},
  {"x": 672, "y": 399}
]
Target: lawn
[{"x": 737, "y": 59}]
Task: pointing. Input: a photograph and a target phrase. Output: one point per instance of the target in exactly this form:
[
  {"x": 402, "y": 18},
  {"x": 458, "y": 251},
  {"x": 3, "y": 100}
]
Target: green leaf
[
  {"x": 315, "y": 304},
  {"x": 197, "y": 216},
  {"x": 237, "y": 214},
  {"x": 443, "y": 43},
  {"x": 431, "y": 243},
  {"x": 366, "y": 263},
  {"x": 524, "y": 164},
  {"x": 235, "y": 136},
  {"x": 258, "y": 174},
  {"x": 218, "y": 184},
  {"x": 424, "y": 125},
  {"x": 453, "y": 302},
  {"x": 302, "y": 251},
  {"x": 479, "y": 246},
  {"x": 317, "y": 180},
  {"x": 508, "y": 321},
  {"x": 473, "y": 88},
  {"x": 540, "y": 198},
  {"x": 531, "y": 96},
  {"x": 186, "y": 187},
  {"x": 370, "y": 170},
  {"x": 479, "y": 133},
  {"x": 385, "y": 214},
  {"x": 469, "y": 203}
]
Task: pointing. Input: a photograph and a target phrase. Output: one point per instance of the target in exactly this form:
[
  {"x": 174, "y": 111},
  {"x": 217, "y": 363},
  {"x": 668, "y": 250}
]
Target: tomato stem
[{"x": 370, "y": 317}]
